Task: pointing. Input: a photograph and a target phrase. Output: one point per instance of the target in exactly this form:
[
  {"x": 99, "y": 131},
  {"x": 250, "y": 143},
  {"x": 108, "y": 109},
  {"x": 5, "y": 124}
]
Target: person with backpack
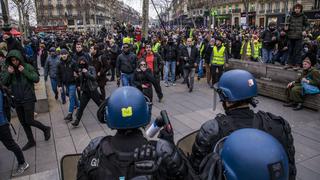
[
  {"x": 128, "y": 154},
  {"x": 237, "y": 89}
]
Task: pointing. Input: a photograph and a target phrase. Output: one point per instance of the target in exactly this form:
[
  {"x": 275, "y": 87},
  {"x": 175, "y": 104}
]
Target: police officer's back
[
  {"x": 128, "y": 153},
  {"x": 236, "y": 90}
]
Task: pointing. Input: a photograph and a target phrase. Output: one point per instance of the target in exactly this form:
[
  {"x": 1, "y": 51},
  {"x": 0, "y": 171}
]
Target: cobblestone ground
[{"x": 187, "y": 112}]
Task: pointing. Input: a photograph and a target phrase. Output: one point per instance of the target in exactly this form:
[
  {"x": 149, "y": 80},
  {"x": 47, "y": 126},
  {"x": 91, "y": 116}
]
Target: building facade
[
  {"x": 82, "y": 14},
  {"x": 232, "y": 12}
]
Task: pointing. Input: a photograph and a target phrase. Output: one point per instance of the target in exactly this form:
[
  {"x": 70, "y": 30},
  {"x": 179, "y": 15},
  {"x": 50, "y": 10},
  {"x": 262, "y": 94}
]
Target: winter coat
[
  {"x": 146, "y": 78},
  {"x": 88, "y": 80},
  {"x": 297, "y": 24},
  {"x": 193, "y": 58},
  {"x": 312, "y": 74},
  {"x": 267, "y": 41},
  {"x": 126, "y": 63},
  {"x": 51, "y": 67},
  {"x": 65, "y": 72},
  {"x": 101, "y": 63},
  {"x": 77, "y": 55},
  {"x": 21, "y": 83},
  {"x": 157, "y": 63},
  {"x": 170, "y": 52}
]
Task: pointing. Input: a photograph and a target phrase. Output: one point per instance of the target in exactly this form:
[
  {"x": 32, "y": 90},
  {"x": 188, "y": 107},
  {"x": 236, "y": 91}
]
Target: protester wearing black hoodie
[
  {"x": 88, "y": 87},
  {"x": 20, "y": 77}
]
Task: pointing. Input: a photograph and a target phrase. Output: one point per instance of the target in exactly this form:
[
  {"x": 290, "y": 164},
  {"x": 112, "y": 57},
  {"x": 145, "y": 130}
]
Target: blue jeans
[
  {"x": 73, "y": 101},
  {"x": 54, "y": 85},
  {"x": 200, "y": 68},
  {"x": 126, "y": 79},
  {"x": 170, "y": 66},
  {"x": 267, "y": 55},
  {"x": 282, "y": 57}
]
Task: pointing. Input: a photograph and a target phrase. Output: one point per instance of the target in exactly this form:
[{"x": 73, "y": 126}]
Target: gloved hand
[
  {"x": 167, "y": 134},
  {"x": 145, "y": 159}
]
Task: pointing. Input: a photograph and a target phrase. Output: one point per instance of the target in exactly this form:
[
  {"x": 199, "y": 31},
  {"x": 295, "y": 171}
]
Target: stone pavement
[{"x": 187, "y": 111}]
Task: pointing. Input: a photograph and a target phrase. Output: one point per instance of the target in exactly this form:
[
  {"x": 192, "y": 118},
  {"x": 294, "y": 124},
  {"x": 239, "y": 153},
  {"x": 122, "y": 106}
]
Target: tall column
[{"x": 145, "y": 18}]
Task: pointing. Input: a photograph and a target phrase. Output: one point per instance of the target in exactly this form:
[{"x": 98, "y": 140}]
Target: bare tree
[
  {"x": 25, "y": 9},
  {"x": 163, "y": 5},
  {"x": 246, "y": 9}
]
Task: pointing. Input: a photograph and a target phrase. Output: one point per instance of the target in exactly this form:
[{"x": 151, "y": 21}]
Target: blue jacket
[{"x": 3, "y": 118}]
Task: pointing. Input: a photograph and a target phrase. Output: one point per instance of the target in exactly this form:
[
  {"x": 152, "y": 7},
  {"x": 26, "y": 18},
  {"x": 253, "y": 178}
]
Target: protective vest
[
  {"x": 256, "y": 50},
  {"x": 202, "y": 47},
  {"x": 156, "y": 47},
  {"x": 218, "y": 56},
  {"x": 248, "y": 49}
]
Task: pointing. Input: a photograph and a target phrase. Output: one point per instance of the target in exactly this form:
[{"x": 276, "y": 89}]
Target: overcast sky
[{"x": 137, "y": 5}]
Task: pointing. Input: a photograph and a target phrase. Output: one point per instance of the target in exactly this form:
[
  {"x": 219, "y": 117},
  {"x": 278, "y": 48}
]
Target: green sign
[{"x": 213, "y": 12}]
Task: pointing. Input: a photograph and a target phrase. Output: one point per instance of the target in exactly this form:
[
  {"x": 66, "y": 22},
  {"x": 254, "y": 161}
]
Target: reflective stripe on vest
[
  {"x": 218, "y": 56},
  {"x": 256, "y": 50}
]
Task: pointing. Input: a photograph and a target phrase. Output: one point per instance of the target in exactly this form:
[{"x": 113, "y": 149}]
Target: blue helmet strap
[{"x": 276, "y": 170}]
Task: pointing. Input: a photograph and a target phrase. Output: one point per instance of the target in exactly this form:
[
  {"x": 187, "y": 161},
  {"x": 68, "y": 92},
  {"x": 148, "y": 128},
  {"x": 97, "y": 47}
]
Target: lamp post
[{"x": 5, "y": 15}]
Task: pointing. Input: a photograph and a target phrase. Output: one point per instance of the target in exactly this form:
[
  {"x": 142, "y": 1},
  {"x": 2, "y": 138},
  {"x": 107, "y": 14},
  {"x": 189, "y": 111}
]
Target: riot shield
[
  {"x": 185, "y": 143},
  {"x": 69, "y": 164}
]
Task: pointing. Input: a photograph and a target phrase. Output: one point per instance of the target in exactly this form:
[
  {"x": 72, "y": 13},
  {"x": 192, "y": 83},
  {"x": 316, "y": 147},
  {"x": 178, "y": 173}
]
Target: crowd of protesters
[{"x": 79, "y": 64}]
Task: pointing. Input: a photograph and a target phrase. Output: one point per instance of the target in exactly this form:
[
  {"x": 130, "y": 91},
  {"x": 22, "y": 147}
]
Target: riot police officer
[
  {"x": 237, "y": 89},
  {"x": 248, "y": 154},
  {"x": 128, "y": 154}
]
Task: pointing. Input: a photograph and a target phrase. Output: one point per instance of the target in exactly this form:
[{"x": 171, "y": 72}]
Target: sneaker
[
  {"x": 173, "y": 84},
  {"x": 28, "y": 146},
  {"x": 68, "y": 117},
  {"x": 75, "y": 123},
  {"x": 166, "y": 84},
  {"x": 47, "y": 133},
  {"x": 56, "y": 96},
  {"x": 20, "y": 169}
]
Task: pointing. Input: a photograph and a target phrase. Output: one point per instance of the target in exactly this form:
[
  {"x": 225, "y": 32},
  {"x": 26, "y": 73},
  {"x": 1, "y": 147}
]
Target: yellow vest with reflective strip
[
  {"x": 248, "y": 49},
  {"x": 218, "y": 56},
  {"x": 256, "y": 50}
]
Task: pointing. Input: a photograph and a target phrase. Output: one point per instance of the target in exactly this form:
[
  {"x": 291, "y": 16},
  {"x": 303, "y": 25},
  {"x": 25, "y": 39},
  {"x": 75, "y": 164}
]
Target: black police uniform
[
  {"x": 111, "y": 158},
  {"x": 223, "y": 125}
]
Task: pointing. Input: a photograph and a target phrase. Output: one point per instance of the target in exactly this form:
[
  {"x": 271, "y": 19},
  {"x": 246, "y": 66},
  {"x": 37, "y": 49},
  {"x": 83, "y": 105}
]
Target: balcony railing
[
  {"x": 236, "y": 10},
  {"x": 269, "y": 11},
  {"x": 262, "y": 11},
  {"x": 276, "y": 10}
]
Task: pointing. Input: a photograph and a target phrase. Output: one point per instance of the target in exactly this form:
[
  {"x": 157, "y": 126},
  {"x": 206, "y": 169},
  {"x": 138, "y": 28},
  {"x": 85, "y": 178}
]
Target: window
[
  {"x": 50, "y": 12},
  {"x": 270, "y": 6}
]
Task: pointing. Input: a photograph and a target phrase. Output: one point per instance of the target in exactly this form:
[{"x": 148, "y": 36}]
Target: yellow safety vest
[
  {"x": 218, "y": 56},
  {"x": 248, "y": 49},
  {"x": 256, "y": 50},
  {"x": 156, "y": 47}
]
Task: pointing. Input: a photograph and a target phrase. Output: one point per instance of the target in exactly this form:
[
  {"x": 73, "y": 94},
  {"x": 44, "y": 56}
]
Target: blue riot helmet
[
  {"x": 251, "y": 154},
  {"x": 236, "y": 85},
  {"x": 127, "y": 108}
]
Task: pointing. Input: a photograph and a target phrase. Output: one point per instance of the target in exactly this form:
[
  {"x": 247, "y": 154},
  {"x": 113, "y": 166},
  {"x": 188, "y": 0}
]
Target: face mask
[
  {"x": 81, "y": 66},
  {"x": 306, "y": 49}
]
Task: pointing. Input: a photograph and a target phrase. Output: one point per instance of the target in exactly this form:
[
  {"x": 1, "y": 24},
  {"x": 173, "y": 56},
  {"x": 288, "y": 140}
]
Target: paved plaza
[{"x": 187, "y": 111}]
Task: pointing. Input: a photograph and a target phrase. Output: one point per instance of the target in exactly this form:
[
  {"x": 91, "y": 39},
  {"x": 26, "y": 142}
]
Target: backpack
[{"x": 120, "y": 165}]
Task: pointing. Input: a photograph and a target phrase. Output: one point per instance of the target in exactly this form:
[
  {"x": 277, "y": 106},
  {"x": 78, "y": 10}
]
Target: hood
[{"x": 14, "y": 53}]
